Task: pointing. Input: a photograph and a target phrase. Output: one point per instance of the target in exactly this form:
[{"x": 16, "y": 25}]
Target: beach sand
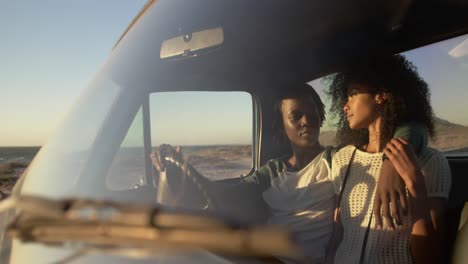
[{"x": 9, "y": 173}]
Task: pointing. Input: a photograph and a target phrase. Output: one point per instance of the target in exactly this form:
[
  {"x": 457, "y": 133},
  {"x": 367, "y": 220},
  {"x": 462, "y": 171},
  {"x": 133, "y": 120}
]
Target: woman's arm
[
  {"x": 165, "y": 156},
  {"x": 427, "y": 214},
  {"x": 428, "y": 232},
  {"x": 244, "y": 195},
  {"x": 390, "y": 199}
]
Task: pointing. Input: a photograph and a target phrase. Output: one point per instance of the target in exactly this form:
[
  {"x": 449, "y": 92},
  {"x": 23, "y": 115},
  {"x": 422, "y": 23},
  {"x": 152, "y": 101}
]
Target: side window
[
  {"x": 444, "y": 66},
  {"x": 213, "y": 129},
  {"x": 128, "y": 167}
]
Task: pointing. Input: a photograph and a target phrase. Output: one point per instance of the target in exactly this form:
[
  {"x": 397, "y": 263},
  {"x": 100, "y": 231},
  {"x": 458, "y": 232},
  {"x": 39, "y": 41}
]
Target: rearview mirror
[{"x": 190, "y": 43}]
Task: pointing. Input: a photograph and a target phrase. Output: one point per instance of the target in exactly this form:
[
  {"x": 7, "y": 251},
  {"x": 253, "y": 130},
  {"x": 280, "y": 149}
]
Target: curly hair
[
  {"x": 301, "y": 92},
  {"x": 408, "y": 100}
]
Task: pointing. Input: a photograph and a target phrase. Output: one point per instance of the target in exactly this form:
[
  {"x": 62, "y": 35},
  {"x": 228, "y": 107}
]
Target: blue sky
[
  {"x": 176, "y": 120},
  {"x": 51, "y": 49}
]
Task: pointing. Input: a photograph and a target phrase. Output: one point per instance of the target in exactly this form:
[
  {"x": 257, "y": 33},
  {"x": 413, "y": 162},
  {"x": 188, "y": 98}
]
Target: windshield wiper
[{"x": 108, "y": 225}]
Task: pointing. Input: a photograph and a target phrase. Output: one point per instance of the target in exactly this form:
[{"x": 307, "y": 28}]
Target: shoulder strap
[
  {"x": 364, "y": 244},
  {"x": 345, "y": 179},
  {"x": 334, "y": 238},
  {"x": 363, "y": 248}
]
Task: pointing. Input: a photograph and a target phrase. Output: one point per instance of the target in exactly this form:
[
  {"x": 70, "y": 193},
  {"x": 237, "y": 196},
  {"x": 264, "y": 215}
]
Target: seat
[
  {"x": 460, "y": 252},
  {"x": 457, "y": 212}
]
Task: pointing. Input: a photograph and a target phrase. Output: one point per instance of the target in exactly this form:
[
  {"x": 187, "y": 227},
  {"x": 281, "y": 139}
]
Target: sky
[
  {"x": 176, "y": 120},
  {"x": 50, "y": 50}
]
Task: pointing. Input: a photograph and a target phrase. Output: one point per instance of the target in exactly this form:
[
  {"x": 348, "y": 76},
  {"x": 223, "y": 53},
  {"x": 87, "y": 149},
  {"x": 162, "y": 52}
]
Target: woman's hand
[
  {"x": 404, "y": 160},
  {"x": 160, "y": 155},
  {"x": 390, "y": 198}
]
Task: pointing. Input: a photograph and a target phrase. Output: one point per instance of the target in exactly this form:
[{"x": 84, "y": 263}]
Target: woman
[
  {"x": 371, "y": 99},
  {"x": 295, "y": 190}
]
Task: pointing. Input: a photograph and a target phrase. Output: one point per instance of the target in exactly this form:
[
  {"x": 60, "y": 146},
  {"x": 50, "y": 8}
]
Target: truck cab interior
[{"x": 176, "y": 52}]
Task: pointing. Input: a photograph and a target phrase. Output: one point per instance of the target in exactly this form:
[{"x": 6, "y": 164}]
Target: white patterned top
[
  {"x": 383, "y": 246},
  {"x": 304, "y": 201}
]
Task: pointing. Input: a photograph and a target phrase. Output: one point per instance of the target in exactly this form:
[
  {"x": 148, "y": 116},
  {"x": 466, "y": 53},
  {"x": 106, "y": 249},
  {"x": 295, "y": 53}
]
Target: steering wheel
[{"x": 188, "y": 172}]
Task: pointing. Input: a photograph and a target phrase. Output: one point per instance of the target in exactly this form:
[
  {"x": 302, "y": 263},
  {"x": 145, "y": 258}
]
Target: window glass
[
  {"x": 213, "y": 129},
  {"x": 444, "y": 66},
  {"x": 128, "y": 167}
]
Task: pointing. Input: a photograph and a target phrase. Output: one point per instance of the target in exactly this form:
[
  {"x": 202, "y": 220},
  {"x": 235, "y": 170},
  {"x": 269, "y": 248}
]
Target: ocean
[
  {"x": 18, "y": 154},
  {"x": 128, "y": 170}
]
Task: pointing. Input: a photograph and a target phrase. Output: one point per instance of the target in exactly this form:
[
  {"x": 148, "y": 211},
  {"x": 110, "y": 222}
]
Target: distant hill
[{"x": 449, "y": 136}]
